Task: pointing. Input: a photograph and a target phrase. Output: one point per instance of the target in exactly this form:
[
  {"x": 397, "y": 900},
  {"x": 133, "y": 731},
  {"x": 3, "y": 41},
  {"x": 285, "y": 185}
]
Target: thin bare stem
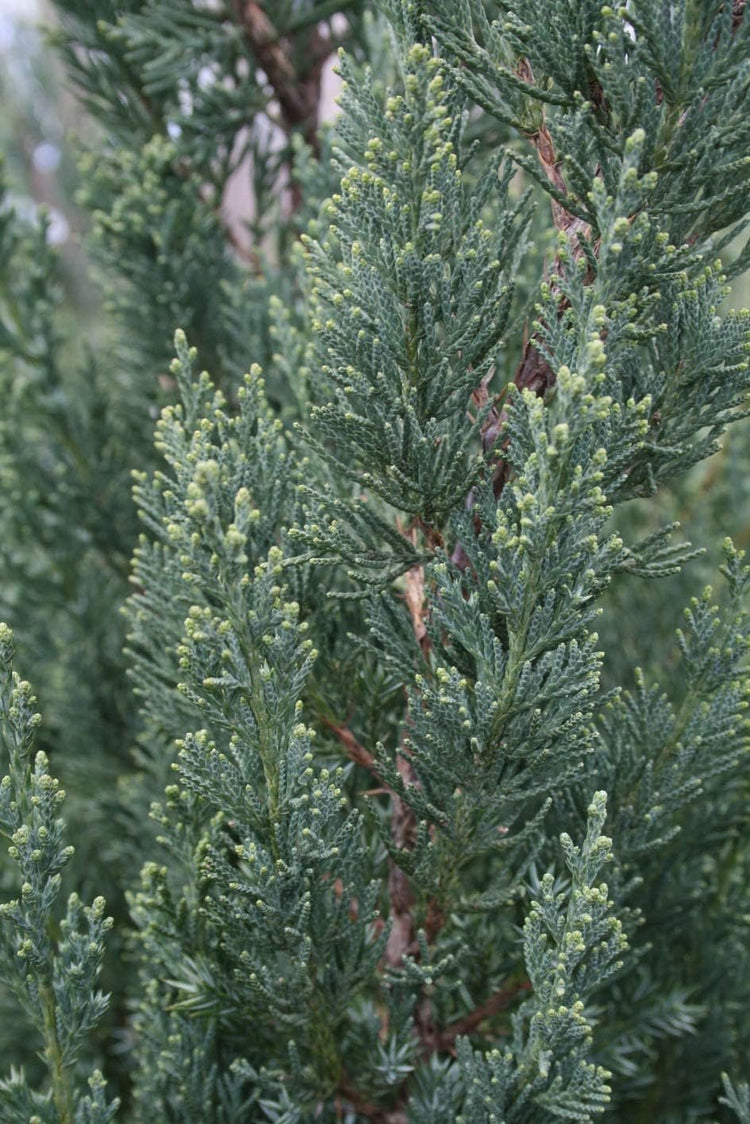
[{"x": 470, "y": 1022}]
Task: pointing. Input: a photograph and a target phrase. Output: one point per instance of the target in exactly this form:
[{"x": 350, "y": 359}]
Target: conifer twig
[
  {"x": 401, "y": 939},
  {"x": 468, "y": 1023},
  {"x": 354, "y": 748},
  {"x": 414, "y": 598},
  {"x": 738, "y": 12},
  {"x": 298, "y": 94},
  {"x": 545, "y": 149},
  {"x": 533, "y": 372},
  {"x": 366, "y": 1108}
]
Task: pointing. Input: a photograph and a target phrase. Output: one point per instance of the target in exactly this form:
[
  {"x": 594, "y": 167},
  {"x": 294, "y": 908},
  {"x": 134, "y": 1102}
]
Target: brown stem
[
  {"x": 366, "y": 1108},
  {"x": 357, "y": 1101},
  {"x": 415, "y": 602},
  {"x": 247, "y": 254},
  {"x": 534, "y": 372},
  {"x": 354, "y": 749},
  {"x": 738, "y": 12},
  {"x": 402, "y": 938},
  {"x": 468, "y": 1023},
  {"x": 545, "y": 150},
  {"x": 298, "y": 94}
]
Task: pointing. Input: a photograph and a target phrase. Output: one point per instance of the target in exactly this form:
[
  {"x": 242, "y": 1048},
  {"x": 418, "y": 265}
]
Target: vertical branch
[
  {"x": 545, "y": 150},
  {"x": 298, "y": 93},
  {"x": 62, "y": 1092},
  {"x": 738, "y": 12},
  {"x": 402, "y": 938},
  {"x": 296, "y": 89},
  {"x": 534, "y": 372},
  {"x": 404, "y": 826},
  {"x": 415, "y": 602}
]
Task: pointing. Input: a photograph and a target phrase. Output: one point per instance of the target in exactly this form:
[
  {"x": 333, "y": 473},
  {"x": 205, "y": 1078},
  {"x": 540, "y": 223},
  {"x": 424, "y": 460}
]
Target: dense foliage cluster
[{"x": 394, "y": 677}]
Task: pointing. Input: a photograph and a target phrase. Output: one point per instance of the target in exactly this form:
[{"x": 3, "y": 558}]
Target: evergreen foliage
[
  {"x": 416, "y": 843},
  {"x": 53, "y": 977}
]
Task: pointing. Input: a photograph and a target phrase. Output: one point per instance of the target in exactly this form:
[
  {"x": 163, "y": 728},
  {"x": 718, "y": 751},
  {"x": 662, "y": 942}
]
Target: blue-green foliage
[
  {"x": 571, "y": 946},
  {"x": 151, "y": 217},
  {"x": 411, "y": 298},
  {"x": 377, "y": 759},
  {"x": 194, "y": 113},
  {"x": 273, "y": 856},
  {"x": 596, "y": 74},
  {"x": 227, "y": 500},
  {"x": 67, "y": 433},
  {"x": 737, "y": 1099},
  {"x": 53, "y": 977}
]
